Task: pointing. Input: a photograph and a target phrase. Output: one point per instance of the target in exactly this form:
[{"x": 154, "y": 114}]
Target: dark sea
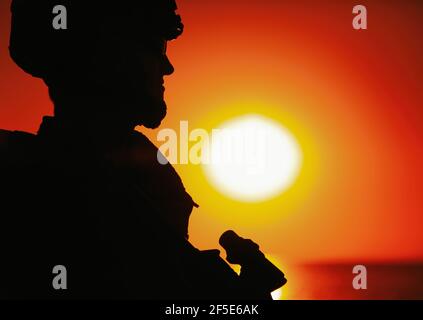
[{"x": 334, "y": 281}]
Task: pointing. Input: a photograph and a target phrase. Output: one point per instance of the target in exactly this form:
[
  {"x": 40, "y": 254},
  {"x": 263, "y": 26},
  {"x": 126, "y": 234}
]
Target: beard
[
  {"x": 152, "y": 114},
  {"x": 143, "y": 108},
  {"x": 149, "y": 110},
  {"x": 120, "y": 103}
]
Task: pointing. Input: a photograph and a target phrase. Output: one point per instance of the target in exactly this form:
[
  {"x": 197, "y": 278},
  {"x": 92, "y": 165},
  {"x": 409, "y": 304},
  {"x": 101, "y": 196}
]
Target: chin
[{"x": 154, "y": 115}]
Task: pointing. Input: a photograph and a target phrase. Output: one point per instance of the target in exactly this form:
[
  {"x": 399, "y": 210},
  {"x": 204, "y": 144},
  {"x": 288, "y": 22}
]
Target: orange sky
[{"x": 351, "y": 98}]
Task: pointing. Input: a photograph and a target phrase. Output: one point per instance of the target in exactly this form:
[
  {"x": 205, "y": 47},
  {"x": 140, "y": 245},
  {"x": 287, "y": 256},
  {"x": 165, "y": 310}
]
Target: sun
[{"x": 252, "y": 158}]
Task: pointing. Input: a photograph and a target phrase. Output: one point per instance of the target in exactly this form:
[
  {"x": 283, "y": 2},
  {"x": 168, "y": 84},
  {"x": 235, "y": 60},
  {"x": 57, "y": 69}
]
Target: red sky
[{"x": 352, "y": 99}]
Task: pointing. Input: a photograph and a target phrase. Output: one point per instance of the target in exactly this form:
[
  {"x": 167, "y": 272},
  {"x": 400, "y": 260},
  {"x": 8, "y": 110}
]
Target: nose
[{"x": 168, "y": 68}]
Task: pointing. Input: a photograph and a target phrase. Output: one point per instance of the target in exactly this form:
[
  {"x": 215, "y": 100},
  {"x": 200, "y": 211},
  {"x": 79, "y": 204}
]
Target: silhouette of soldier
[{"x": 87, "y": 192}]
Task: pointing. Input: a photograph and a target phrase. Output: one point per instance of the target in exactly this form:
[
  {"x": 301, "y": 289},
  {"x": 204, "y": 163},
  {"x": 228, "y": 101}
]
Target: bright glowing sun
[{"x": 252, "y": 158}]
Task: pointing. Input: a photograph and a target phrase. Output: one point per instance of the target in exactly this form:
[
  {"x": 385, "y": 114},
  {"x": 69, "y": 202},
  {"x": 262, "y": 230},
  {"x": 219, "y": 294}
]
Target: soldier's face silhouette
[
  {"x": 108, "y": 67},
  {"x": 143, "y": 67}
]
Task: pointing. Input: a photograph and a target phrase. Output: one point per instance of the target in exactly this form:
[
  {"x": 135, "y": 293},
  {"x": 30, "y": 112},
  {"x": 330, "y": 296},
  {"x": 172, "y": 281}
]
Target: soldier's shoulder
[
  {"x": 16, "y": 144},
  {"x": 141, "y": 140}
]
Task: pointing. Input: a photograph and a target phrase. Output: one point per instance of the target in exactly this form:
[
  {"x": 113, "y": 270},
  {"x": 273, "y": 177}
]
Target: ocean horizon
[{"x": 333, "y": 281}]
